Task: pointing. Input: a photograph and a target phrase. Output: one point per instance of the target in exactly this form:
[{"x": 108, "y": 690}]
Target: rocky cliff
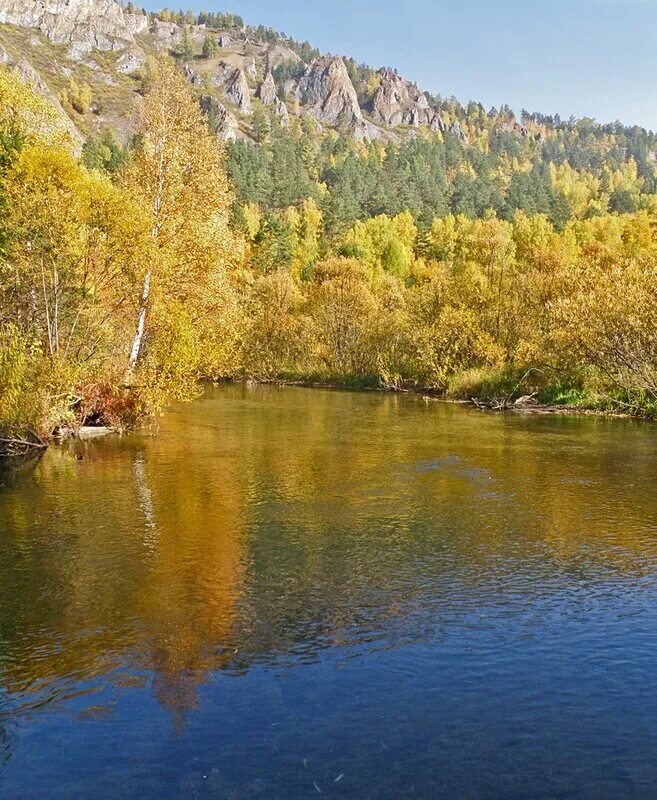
[
  {"x": 244, "y": 72},
  {"x": 83, "y": 24},
  {"x": 400, "y": 102},
  {"x": 328, "y": 93}
]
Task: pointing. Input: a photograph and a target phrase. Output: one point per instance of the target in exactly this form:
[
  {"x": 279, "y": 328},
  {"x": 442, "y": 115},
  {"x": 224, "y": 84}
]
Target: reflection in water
[
  {"x": 288, "y": 585},
  {"x": 145, "y": 502}
]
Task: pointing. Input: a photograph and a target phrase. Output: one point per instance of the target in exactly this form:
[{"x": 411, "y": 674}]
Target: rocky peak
[
  {"x": 267, "y": 91},
  {"x": 400, "y": 102},
  {"x": 238, "y": 92},
  {"x": 329, "y": 94},
  {"x": 222, "y": 122},
  {"x": 83, "y": 24}
]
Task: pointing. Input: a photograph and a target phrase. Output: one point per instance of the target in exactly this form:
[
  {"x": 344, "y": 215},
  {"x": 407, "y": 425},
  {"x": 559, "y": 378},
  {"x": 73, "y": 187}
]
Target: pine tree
[
  {"x": 210, "y": 47},
  {"x": 186, "y": 49}
]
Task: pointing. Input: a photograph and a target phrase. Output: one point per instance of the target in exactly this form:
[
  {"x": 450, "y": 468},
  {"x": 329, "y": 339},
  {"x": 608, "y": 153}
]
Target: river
[{"x": 287, "y": 592}]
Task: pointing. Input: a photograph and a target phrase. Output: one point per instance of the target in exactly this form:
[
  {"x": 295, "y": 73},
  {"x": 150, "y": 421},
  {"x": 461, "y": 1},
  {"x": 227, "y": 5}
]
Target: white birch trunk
[{"x": 141, "y": 324}]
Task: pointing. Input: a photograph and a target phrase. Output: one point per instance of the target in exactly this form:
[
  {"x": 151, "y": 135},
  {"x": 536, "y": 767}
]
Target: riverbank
[
  {"x": 25, "y": 445},
  {"x": 575, "y": 403},
  {"x": 524, "y": 404}
]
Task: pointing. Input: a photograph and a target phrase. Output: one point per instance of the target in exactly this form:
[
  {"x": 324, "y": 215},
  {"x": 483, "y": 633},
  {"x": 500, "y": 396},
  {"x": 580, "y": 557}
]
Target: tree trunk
[{"x": 141, "y": 324}]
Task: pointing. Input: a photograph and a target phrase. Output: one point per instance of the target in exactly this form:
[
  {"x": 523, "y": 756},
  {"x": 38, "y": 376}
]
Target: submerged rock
[{"x": 93, "y": 431}]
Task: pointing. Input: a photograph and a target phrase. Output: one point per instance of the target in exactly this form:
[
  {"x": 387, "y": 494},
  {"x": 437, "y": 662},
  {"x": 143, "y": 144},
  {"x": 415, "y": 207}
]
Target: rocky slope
[
  {"x": 103, "y": 45},
  {"x": 83, "y": 24}
]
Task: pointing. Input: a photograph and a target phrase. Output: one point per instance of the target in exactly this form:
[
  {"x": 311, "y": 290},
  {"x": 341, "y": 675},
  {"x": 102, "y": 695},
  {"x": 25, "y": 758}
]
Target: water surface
[{"x": 288, "y": 592}]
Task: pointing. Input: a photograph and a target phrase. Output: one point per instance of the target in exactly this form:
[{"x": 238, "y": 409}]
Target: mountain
[
  {"x": 103, "y": 44},
  {"x": 84, "y": 25},
  {"x": 90, "y": 57}
]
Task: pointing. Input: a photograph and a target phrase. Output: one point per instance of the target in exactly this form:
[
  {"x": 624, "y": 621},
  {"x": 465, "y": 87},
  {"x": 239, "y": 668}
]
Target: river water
[{"x": 291, "y": 592}]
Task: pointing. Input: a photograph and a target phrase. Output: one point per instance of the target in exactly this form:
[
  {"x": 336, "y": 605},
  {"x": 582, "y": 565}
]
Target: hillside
[
  {"x": 350, "y": 229},
  {"x": 99, "y": 43},
  {"x": 90, "y": 57}
]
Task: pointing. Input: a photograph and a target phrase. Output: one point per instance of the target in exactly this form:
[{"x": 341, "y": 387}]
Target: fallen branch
[{"x": 19, "y": 445}]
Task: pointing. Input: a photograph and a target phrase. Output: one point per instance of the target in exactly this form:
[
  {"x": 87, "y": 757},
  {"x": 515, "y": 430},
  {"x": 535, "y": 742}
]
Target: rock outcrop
[
  {"x": 193, "y": 77},
  {"x": 238, "y": 92},
  {"x": 222, "y": 122},
  {"x": 437, "y": 124},
  {"x": 328, "y": 93},
  {"x": 167, "y": 34},
  {"x": 131, "y": 61},
  {"x": 280, "y": 54},
  {"x": 457, "y": 130},
  {"x": 250, "y": 68},
  {"x": 400, "y": 102},
  {"x": 515, "y": 127},
  {"x": 280, "y": 109},
  {"x": 322, "y": 91},
  {"x": 267, "y": 91},
  {"x": 83, "y": 24}
]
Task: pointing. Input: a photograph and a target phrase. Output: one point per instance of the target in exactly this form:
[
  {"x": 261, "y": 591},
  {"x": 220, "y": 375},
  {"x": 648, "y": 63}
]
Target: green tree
[
  {"x": 186, "y": 49},
  {"x": 210, "y": 46}
]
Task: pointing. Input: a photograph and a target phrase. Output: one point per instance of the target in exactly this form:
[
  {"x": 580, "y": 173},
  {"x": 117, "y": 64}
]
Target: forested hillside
[{"x": 233, "y": 204}]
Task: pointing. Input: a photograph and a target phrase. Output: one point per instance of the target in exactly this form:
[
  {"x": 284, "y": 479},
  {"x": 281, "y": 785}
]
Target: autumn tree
[
  {"x": 73, "y": 244},
  {"x": 177, "y": 173},
  {"x": 342, "y": 306}
]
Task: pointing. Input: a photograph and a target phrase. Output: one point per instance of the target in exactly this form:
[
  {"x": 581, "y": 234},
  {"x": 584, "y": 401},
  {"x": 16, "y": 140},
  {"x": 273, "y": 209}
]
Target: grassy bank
[
  {"x": 543, "y": 387},
  {"x": 531, "y": 390}
]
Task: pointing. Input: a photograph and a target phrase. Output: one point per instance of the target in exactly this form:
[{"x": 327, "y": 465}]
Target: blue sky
[{"x": 584, "y": 57}]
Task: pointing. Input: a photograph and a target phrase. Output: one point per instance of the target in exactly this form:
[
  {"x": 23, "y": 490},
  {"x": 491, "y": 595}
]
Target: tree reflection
[
  {"x": 6, "y": 747},
  {"x": 272, "y": 525}
]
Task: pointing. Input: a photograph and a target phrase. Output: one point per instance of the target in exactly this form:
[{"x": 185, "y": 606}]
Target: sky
[{"x": 593, "y": 58}]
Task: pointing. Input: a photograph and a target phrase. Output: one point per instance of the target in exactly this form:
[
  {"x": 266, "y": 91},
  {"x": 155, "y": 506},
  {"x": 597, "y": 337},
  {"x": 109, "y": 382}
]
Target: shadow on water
[
  {"x": 14, "y": 469},
  {"x": 285, "y": 586},
  {"x": 5, "y": 747}
]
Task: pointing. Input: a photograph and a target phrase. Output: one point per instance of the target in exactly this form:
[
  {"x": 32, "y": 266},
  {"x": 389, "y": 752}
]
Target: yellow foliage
[
  {"x": 26, "y": 114},
  {"x": 581, "y": 189},
  {"x": 178, "y": 176},
  {"x": 384, "y": 243}
]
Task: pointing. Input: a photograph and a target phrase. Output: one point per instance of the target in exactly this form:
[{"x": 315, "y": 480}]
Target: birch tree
[{"x": 178, "y": 174}]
